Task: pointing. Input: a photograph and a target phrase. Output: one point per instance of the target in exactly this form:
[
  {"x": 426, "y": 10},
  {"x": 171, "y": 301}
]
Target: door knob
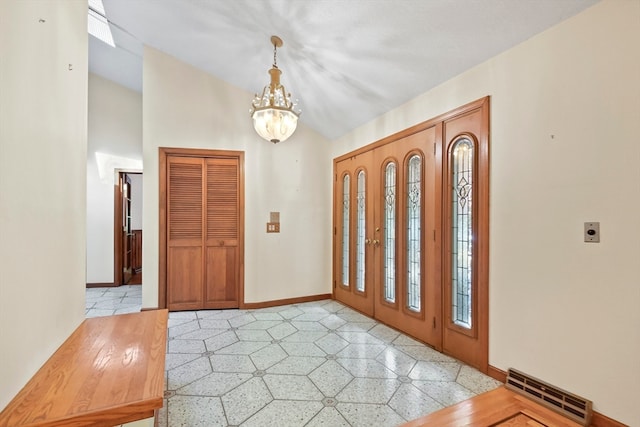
[
  {"x": 376, "y": 242},
  {"x": 367, "y": 241}
]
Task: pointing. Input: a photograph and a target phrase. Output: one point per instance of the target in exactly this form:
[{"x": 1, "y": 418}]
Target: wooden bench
[
  {"x": 108, "y": 372},
  {"x": 499, "y": 407}
]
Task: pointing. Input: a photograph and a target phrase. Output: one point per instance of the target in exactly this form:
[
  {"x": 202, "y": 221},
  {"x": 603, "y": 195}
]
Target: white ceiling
[{"x": 347, "y": 61}]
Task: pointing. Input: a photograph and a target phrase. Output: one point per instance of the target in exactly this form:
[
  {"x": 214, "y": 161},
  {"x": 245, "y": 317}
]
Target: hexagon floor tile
[{"x": 312, "y": 364}]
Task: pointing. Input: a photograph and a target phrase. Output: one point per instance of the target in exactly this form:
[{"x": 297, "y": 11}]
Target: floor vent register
[{"x": 568, "y": 404}]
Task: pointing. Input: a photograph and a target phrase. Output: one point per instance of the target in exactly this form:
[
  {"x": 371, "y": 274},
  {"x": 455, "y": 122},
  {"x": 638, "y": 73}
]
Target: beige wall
[
  {"x": 185, "y": 107},
  {"x": 115, "y": 131},
  {"x": 565, "y": 120},
  {"x": 43, "y": 142},
  {"x": 560, "y": 309}
]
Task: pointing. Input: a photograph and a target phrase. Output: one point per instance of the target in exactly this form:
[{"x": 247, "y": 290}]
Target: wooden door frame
[
  {"x": 163, "y": 154},
  {"x": 483, "y": 227},
  {"x": 117, "y": 224}
]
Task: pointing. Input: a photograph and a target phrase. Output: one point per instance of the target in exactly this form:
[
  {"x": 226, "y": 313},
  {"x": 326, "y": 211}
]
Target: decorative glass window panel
[
  {"x": 462, "y": 231},
  {"x": 390, "y": 233},
  {"x": 360, "y": 231},
  {"x": 346, "y": 184},
  {"x": 414, "y": 212}
]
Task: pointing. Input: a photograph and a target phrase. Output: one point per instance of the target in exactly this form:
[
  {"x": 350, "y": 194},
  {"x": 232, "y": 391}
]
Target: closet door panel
[
  {"x": 185, "y": 278},
  {"x": 221, "y": 284},
  {"x": 222, "y": 233},
  {"x": 184, "y": 237}
]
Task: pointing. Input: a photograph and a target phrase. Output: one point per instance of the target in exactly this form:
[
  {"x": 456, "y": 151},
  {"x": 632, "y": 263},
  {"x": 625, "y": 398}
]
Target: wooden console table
[{"x": 108, "y": 372}]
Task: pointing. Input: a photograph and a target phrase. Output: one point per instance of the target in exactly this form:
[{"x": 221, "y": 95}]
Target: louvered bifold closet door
[
  {"x": 222, "y": 233},
  {"x": 185, "y": 221}
]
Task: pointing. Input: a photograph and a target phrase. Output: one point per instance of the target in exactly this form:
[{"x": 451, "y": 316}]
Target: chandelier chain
[{"x": 275, "y": 61}]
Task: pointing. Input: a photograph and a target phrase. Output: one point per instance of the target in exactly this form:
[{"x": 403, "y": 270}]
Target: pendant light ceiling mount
[
  {"x": 276, "y": 41},
  {"x": 273, "y": 112}
]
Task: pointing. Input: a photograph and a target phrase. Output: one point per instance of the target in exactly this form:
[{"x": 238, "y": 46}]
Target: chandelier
[{"x": 273, "y": 114}]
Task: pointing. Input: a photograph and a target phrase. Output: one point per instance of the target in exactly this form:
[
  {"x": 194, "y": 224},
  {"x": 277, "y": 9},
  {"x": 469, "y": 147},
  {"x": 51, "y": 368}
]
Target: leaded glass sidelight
[
  {"x": 346, "y": 185},
  {"x": 360, "y": 231},
  {"x": 414, "y": 199},
  {"x": 390, "y": 232},
  {"x": 461, "y": 231}
]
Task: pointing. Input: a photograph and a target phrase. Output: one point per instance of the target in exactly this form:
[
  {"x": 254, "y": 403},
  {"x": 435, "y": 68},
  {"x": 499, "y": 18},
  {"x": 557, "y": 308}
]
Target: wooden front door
[
  {"x": 203, "y": 231},
  {"x": 387, "y": 263},
  {"x": 411, "y": 231},
  {"x": 408, "y": 257},
  {"x": 354, "y": 254}
]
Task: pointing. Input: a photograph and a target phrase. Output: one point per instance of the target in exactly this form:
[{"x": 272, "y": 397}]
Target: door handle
[
  {"x": 376, "y": 242},
  {"x": 367, "y": 241}
]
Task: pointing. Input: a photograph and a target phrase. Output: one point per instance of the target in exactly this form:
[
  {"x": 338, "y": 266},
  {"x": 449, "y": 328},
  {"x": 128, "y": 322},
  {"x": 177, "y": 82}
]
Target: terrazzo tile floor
[
  {"x": 110, "y": 301},
  {"x": 313, "y": 364}
]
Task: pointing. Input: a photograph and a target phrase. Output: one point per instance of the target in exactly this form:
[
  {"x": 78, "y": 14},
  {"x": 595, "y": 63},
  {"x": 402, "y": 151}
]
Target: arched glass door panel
[
  {"x": 414, "y": 243},
  {"x": 361, "y": 208},
  {"x": 389, "y": 230},
  {"x": 346, "y": 186},
  {"x": 462, "y": 163}
]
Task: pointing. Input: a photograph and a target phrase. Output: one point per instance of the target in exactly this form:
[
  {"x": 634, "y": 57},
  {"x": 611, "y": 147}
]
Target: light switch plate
[
  {"x": 592, "y": 232},
  {"x": 273, "y": 227}
]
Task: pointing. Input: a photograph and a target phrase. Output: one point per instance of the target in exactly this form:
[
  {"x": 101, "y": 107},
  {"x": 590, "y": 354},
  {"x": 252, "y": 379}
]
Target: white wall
[
  {"x": 565, "y": 120},
  {"x": 43, "y": 142},
  {"x": 136, "y": 201},
  {"x": 115, "y": 132},
  {"x": 185, "y": 107}
]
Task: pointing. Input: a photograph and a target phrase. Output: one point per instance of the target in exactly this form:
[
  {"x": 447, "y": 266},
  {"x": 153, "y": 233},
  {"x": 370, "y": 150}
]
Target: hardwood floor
[{"x": 499, "y": 407}]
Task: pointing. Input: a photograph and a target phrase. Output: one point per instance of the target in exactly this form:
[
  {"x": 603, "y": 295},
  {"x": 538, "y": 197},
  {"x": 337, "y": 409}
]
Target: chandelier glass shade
[{"x": 273, "y": 112}]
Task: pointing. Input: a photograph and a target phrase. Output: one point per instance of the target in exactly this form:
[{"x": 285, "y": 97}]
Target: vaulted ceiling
[{"x": 347, "y": 61}]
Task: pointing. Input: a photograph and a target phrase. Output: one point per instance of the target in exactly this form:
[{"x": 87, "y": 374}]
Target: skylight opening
[
  {"x": 98, "y": 25},
  {"x": 97, "y": 6}
]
